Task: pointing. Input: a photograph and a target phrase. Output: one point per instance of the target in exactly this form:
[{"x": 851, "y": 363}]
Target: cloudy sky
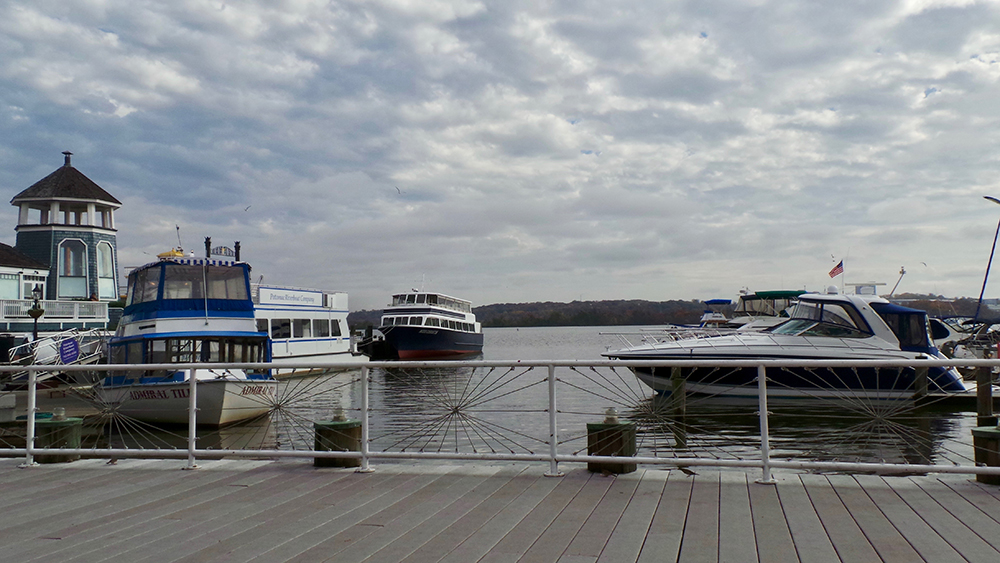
[{"x": 512, "y": 151}]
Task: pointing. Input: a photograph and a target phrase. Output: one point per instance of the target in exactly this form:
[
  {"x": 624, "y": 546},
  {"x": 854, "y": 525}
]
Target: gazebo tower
[{"x": 67, "y": 222}]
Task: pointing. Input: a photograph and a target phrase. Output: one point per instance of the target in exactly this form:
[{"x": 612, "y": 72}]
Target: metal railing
[{"x": 541, "y": 411}]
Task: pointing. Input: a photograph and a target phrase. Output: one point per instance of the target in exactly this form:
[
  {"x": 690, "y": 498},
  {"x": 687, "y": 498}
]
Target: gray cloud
[{"x": 540, "y": 151}]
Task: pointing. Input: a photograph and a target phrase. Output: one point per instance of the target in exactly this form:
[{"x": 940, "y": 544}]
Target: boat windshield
[
  {"x": 187, "y": 282},
  {"x": 824, "y": 319}
]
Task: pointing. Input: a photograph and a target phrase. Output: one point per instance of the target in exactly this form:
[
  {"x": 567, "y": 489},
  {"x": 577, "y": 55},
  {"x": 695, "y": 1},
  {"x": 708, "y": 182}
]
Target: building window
[
  {"x": 106, "y": 286},
  {"x": 72, "y": 269}
]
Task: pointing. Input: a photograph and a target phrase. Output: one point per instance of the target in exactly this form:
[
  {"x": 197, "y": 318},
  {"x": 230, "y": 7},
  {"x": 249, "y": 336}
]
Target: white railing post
[
  {"x": 553, "y": 426},
  {"x": 192, "y": 417},
  {"x": 29, "y": 440},
  {"x": 365, "y": 380},
  {"x": 765, "y": 442}
]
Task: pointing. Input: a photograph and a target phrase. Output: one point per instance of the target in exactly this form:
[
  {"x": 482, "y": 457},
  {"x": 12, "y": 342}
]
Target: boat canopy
[
  {"x": 909, "y": 325},
  {"x": 719, "y": 302},
  {"x": 172, "y": 285}
]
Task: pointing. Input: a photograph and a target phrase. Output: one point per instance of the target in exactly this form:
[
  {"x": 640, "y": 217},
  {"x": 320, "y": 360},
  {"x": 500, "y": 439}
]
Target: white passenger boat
[
  {"x": 305, "y": 325},
  {"x": 189, "y": 310},
  {"x": 425, "y": 326},
  {"x": 820, "y": 327}
]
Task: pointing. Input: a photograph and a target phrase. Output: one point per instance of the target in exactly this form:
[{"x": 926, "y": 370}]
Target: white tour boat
[
  {"x": 305, "y": 325},
  {"x": 425, "y": 326}
]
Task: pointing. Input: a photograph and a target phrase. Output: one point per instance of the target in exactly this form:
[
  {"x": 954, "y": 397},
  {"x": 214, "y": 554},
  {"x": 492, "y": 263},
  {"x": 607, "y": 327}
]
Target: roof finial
[{"x": 68, "y": 154}]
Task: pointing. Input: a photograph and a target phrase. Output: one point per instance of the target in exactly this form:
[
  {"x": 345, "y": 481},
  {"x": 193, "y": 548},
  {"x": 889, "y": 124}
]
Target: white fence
[
  {"x": 539, "y": 411},
  {"x": 17, "y": 309}
]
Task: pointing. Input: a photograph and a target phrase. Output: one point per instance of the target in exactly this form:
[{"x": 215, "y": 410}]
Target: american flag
[{"x": 837, "y": 270}]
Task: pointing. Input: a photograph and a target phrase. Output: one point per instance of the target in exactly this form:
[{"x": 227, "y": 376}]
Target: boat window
[
  {"x": 158, "y": 352},
  {"x": 281, "y": 328},
  {"x": 118, "y": 354},
  {"x": 432, "y": 299},
  {"x": 134, "y": 353},
  {"x": 227, "y": 283},
  {"x": 336, "y": 328},
  {"x": 321, "y": 327},
  {"x": 431, "y": 322},
  {"x": 410, "y": 298},
  {"x": 181, "y": 351},
  {"x": 144, "y": 286},
  {"x": 451, "y": 325},
  {"x": 421, "y": 298},
  {"x": 416, "y": 321},
  {"x": 911, "y": 326},
  {"x": 824, "y": 319},
  {"x": 183, "y": 282},
  {"x": 261, "y": 325},
  {"x": 301, "y": 328}
]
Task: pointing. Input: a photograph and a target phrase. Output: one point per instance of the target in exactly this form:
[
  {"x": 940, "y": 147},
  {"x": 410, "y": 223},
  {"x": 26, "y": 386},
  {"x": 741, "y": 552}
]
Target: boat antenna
[{"x": 902, "y": 272}]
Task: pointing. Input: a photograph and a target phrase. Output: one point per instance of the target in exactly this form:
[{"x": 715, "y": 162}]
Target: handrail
[{"x": 553, "y": 454}]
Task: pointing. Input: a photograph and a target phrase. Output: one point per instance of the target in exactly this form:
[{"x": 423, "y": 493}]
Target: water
[{"x": 550, "y": 343}]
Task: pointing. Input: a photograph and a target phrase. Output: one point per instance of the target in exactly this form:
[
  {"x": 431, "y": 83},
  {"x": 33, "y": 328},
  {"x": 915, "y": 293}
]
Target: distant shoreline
[{"x": 637, "y": 312}]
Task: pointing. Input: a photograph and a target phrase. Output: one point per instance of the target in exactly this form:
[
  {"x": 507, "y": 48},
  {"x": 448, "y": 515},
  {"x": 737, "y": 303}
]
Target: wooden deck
[{"x": 241, "y": 511}]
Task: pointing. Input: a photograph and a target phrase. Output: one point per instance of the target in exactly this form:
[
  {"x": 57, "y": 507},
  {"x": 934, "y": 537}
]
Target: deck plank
[
  {"x": 383, "y": 492},
  {"x": 433, "y": 529},
  {"x": 596, "y": 531},
  {"x": 290, "y": 511},
  {"x": 666, "y": 531},
  {"x": 922, "y": 537},
  {"x": 770, "y": 526},
  {"x": 945, "y": 524},
  {"x": 736, "y": 524},
  {"x": 812, "y": 542},
  {"x": 403, "y": 535},
  {"x": 958, "y": 505},
  {"x": 882, "y": 535},
  {"x": 847, "y": 538},
  {"x": 701, "y": 529},
  {"x": 82, "y": 510},
  {"x": 536, "y": 522},
  {"x": 124, "y": 519},
  {"x": 484, "y": 540},
  {"x": 627, "y": 537}
]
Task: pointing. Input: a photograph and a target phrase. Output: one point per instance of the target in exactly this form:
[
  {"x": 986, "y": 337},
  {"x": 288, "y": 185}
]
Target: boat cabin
[
  {"x": 431, "y": 310},
  {"x": 819, "y": 316},
  {"x": 185, "y": 310}
]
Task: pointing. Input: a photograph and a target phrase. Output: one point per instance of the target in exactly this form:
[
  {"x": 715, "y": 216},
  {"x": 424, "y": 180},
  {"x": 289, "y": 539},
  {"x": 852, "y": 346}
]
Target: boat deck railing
[
  {"x": 551, "y": 412},
  {"x": 17, "y": 309}
]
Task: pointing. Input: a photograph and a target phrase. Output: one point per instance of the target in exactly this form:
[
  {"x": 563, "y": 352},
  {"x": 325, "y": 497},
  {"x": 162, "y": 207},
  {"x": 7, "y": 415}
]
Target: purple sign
[{"x": 69, "y": 351}]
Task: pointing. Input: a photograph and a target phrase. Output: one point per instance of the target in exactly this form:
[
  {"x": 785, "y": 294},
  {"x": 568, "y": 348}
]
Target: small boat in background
[{"x": 425, "y": 326}]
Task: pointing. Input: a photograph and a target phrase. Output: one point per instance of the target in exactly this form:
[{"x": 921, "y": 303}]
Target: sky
[{"x": 518, "y": 151}]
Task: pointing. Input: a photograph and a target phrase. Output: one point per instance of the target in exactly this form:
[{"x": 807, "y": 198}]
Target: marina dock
[{"x": 264, "y": 511}]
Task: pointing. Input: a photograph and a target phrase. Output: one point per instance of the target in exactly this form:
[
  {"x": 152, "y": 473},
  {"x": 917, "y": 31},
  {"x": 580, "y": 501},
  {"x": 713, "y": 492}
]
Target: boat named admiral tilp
[{"x": 187, "y": 310}]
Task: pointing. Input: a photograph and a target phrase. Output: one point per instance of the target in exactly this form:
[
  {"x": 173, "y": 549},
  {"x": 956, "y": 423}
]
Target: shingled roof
[
  {"x": 14, "y": 259},
  {"x": 65, "y": 182}
]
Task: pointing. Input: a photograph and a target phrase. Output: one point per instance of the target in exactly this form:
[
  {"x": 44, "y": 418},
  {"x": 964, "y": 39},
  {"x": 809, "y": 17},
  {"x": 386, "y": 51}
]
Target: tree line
[{"x": 639, "y": 312}]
